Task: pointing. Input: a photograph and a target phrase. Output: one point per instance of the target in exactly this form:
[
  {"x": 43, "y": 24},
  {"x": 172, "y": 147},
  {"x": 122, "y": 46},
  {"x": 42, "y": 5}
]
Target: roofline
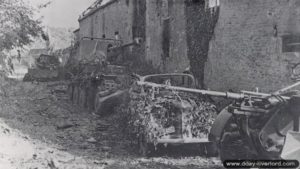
[{"x": 96, "y": 9}]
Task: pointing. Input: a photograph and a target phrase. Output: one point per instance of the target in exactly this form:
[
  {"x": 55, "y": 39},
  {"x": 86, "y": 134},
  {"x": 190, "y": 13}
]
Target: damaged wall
[
  {"x": 166, "y": 47},
  {"x": 138, "y": 54},
  {"x": 127, "y": 18},
  {"x": 247, "y": 48},
  {"x": 161, "y": 23}
]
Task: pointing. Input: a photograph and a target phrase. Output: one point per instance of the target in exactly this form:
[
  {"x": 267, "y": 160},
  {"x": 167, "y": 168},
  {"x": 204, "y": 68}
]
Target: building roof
[{"x": 97, "y": 5}]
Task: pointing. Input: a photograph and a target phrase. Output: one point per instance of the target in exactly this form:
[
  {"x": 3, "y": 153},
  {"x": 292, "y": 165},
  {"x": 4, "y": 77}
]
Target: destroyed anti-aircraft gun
[
  {"x": 255, "y": 126},
  {"x": 164, "y": 110},
  {"x": 258, "y": 126}
]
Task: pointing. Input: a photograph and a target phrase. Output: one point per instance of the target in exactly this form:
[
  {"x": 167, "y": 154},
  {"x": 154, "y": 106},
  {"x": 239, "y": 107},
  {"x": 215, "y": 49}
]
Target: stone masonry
[{"x": 247, "y": 48}]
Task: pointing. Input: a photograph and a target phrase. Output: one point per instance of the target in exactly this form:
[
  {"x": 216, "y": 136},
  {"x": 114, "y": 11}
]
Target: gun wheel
[{"x": 233, "y": 146}]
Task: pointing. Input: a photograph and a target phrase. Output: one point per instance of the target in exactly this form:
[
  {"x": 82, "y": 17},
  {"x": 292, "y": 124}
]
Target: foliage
[
  {"x": 153, "y": 113},
  {"x": 17, "y": 24}
]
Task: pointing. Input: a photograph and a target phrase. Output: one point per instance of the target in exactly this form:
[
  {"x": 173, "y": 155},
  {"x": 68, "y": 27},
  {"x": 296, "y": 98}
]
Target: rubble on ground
[{"x": 61, "y": 135}]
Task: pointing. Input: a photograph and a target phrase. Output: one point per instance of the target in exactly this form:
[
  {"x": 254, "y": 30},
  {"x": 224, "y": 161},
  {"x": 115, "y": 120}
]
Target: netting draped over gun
[{"x": 256, "y": 125}]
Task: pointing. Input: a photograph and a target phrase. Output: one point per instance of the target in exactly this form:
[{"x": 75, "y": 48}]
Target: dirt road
[{"x": 40, "y": 128}]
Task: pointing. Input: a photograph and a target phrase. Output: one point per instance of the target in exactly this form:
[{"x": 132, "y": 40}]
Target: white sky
[{"x": 62, "y": 13}]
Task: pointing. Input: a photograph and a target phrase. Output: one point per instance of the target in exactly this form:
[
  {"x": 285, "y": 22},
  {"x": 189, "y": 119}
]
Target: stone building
[
  {"x": 115, "y": 20},
  {"x": 164, "y": 26},
  {"x": 256, "y": 43},
  {"x": 237, "y": 44}
]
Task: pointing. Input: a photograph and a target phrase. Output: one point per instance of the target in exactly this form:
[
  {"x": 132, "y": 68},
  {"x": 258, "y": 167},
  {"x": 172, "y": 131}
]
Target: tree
[{"x": 17, "y": 24}]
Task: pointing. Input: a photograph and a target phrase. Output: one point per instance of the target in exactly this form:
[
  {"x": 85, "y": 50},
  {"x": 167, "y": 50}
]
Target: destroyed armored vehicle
[
  {"x": 98, "y": 87},
  {"x": 46, "y": 69},
  {"x": 160, "y": 113},
  {"x": 100, "y": 81},
  {"x": 255, "y": 126}
]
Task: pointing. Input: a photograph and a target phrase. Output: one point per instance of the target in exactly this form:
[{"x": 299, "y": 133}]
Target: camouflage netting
[{"x": 153, "y": 113}]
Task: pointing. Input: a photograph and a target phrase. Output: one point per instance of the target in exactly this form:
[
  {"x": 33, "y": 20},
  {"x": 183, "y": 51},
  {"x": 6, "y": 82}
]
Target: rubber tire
[{"x": 227, "y": 149}]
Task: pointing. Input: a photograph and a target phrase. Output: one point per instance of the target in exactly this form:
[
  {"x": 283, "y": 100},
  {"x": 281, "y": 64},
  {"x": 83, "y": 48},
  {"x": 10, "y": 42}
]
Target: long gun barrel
[{"x": 229, "y": 95}]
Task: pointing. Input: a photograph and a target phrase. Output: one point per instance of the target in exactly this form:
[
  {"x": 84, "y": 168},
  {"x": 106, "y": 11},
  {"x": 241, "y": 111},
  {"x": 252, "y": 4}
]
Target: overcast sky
[{"x": 63, "y": 13}]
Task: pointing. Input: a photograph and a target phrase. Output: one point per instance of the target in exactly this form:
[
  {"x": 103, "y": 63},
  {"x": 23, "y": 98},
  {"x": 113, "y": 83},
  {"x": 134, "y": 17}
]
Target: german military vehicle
[
  {"x": 100, "y": 81},
  {"x": 46, "y": 69}
]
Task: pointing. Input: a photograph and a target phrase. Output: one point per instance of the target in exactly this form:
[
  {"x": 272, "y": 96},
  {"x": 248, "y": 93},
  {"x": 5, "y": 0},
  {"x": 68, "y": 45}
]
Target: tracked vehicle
[
  {"x": 46, "y": 69},
  {"x": 100, "y": 81}
]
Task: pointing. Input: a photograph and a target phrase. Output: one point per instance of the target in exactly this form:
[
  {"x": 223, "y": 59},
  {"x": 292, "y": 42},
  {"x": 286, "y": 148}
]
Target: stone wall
[
  {"x": 114, "y": 17},
  {"x": 161, "y": 23},
  {"x": 166, "y": 45},
  {"x": 246, "y": 50}
]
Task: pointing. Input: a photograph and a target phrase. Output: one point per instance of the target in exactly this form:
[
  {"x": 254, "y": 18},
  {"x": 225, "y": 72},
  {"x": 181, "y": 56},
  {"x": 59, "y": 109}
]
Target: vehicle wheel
[
  {"x": 146, "y": 149},
  {"x": 233, "y": 146},
  {"x": 75, "y": 95}
]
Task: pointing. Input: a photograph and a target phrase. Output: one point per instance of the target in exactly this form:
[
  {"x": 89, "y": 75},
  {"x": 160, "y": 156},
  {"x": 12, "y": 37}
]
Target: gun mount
[
  {"x": 228, "y": 95},
  {"x": 258, "y": 122}
]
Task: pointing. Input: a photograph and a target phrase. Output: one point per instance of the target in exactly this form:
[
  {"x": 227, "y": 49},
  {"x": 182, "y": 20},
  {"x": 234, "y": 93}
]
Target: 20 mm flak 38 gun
[
  {"x": 256, "y": 125},
  {"x": 259, "y": 126}
]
